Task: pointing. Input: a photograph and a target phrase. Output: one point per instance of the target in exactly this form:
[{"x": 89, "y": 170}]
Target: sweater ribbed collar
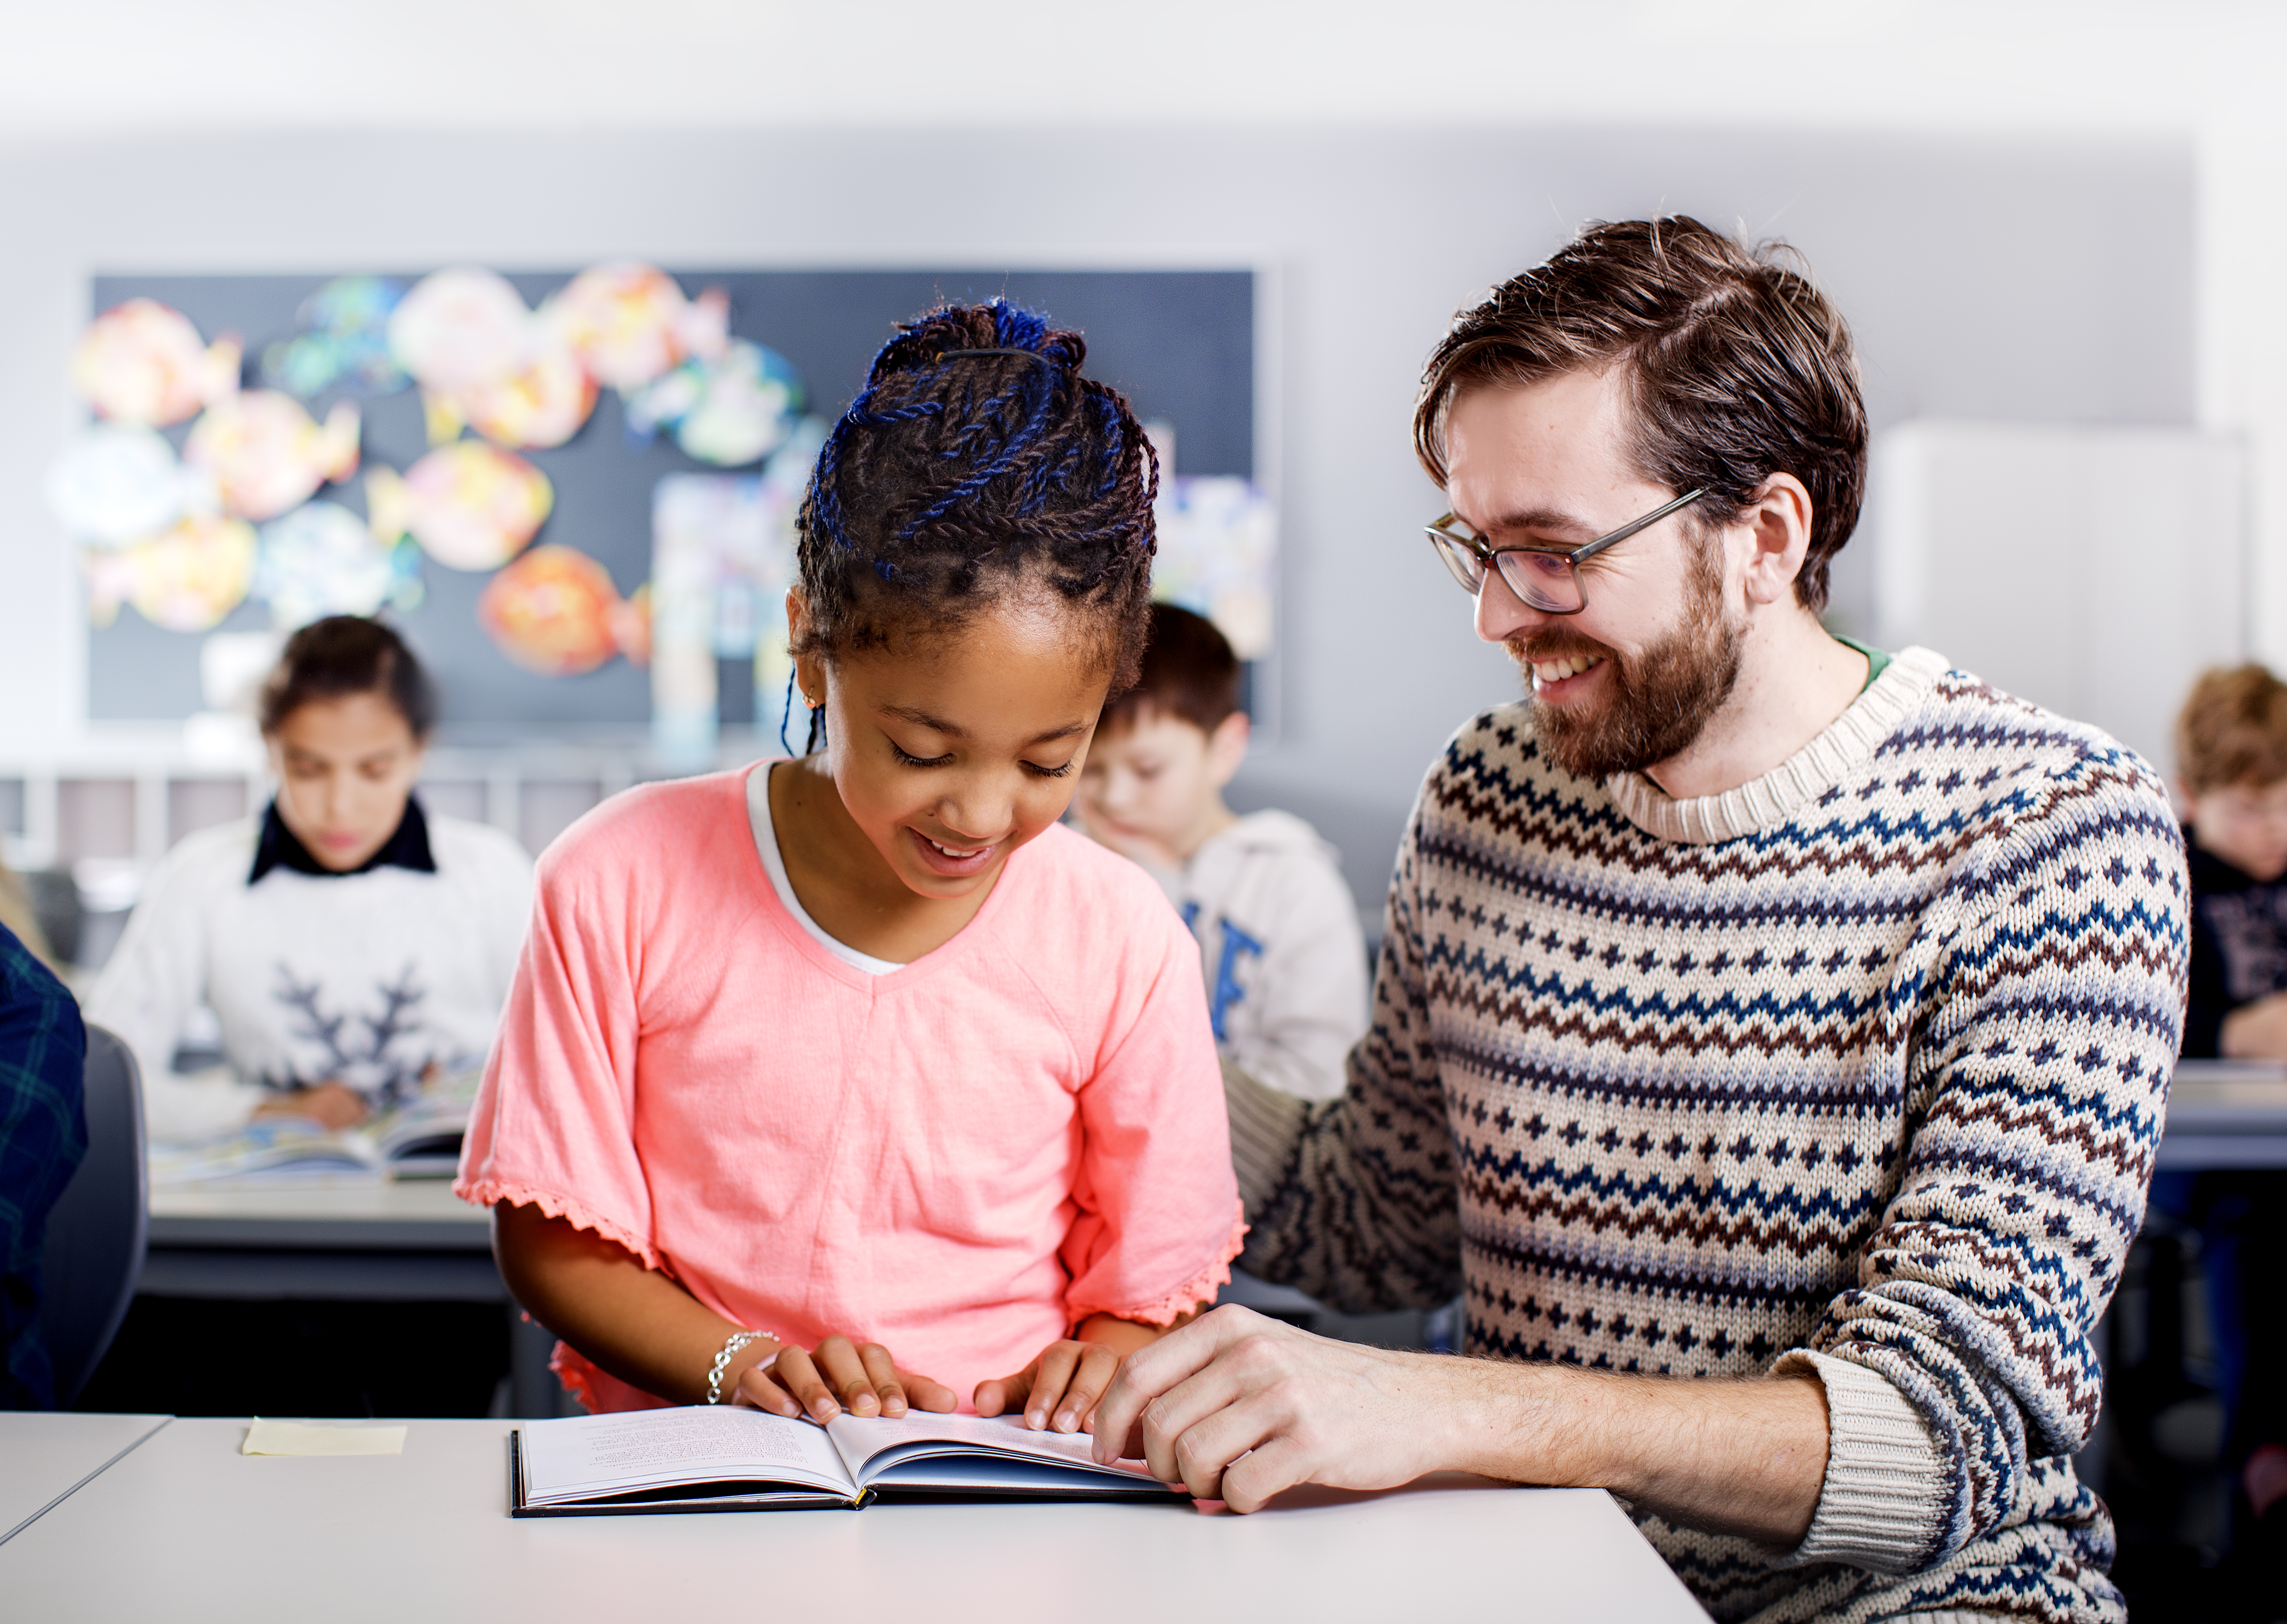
[{"x": 1848, "y": 744}]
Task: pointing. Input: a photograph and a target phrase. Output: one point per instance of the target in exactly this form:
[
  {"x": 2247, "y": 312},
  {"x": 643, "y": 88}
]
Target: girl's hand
[
  {"x": 837, "y": 1375},
  {"x": 328, "y": 1105},
  {"x": 1057, "y": 1390}
]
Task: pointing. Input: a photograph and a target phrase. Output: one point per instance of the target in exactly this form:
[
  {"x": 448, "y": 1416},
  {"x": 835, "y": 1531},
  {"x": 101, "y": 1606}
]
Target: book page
[
  {"x": 587, "y": 1457},
  {"x": 870, "y": 1446}
]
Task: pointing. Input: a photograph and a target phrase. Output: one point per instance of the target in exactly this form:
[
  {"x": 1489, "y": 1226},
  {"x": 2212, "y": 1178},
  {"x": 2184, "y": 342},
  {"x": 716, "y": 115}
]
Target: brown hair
[
  {"x": 2233, "y": 730},
  {"x": 1737, "y": 368},
  {"x": 345, "y": 654},
  {"x": 1189, "y": 671}
]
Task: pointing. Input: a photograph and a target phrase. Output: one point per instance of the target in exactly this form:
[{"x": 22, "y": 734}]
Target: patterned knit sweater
[{"x": 1859, "y": 1068}]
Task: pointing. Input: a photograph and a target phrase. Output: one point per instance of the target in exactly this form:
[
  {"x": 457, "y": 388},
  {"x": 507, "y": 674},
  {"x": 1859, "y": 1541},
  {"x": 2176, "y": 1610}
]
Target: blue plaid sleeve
[{"x": 43, "y": 1135}]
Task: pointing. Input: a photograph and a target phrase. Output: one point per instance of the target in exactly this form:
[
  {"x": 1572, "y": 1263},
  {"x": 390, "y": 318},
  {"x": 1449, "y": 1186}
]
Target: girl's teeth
[{"x": 949, "y": 850}]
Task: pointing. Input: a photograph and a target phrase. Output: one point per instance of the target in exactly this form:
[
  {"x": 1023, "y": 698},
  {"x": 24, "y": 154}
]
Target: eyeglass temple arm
[{"x": 1627, "y": 530}]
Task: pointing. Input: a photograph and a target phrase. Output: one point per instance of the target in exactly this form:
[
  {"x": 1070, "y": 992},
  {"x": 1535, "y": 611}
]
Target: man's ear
[
  {"x": 1778, "y": 520},
  {"x": 1227, "y": 747}
]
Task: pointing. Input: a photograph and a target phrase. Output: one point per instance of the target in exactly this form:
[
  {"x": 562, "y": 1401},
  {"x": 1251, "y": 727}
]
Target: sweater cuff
[
  {"x": 1265, "y": 1125},
  {"x": 1887, "y": 1480}
]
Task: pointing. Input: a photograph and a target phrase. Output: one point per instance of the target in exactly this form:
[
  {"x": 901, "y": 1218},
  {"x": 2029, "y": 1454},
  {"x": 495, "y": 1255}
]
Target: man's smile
[{"x": 1549, "y": 675}]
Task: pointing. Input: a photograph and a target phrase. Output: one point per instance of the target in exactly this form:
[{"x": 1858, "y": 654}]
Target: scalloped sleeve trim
[
  {"x": 489, "y": 1192},
  {"x": 1202, "y": 1288}
]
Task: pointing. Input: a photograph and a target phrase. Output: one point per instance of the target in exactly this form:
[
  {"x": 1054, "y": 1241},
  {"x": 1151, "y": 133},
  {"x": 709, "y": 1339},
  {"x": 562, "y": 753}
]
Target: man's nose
[{"x": 1502, "y": 614}]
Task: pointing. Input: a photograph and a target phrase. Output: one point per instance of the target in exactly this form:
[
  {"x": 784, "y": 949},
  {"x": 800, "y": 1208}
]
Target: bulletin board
[{"x": 1181, "y": 344}]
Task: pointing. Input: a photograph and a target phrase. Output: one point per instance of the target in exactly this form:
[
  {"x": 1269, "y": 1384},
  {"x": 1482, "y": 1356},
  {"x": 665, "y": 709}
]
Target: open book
[
  {"x": 419, "y": 1138},
  {"x": 707, "y": 1458}
]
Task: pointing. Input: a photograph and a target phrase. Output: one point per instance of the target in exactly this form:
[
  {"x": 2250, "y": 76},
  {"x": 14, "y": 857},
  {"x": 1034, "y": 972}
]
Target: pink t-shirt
[{"x": 960, "y": 1160}]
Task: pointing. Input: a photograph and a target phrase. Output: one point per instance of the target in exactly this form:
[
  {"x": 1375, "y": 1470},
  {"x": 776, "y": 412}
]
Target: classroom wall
[{"x": 2000, "y": 278}]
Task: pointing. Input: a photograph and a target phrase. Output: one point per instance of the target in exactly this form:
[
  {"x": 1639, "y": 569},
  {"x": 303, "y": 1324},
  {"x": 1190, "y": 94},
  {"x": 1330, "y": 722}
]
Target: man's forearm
[{"x": 1744, "y": 1457}]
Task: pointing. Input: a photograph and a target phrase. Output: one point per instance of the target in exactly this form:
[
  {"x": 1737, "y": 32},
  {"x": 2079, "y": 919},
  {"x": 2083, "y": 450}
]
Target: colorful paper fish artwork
[
  {"x": 344, "y": 344},
  {"x": 629, "y": 322},
  {"x": 730, "y": 411},
  {"x": 185, "y": 580},
  {"x": 555, "y": 612},
  {"x": 460, "y": 327},
  {"x": 115, "y": 485},
  {"x": 541, "y": 404},
  {"x": 323, "y": 559},
  {"x": 267, "y": 454},
  {"x": 483, "y": 359},
  {"x": 142, "y": 362},
  {"x": 471, "y": 505}
]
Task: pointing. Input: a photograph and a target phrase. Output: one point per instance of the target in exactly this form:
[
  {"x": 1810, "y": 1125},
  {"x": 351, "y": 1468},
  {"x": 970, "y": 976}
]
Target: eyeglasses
[{"x": 1543, "y": 578}]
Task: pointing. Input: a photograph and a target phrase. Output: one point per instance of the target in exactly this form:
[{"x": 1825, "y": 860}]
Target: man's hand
[
  {"x": 839, "y": 1374},
  {"x": 1237, "y": 1407},
  {"x": 328, "y": 1105},
  {"x": 1309, "y": 1410},
  {"x": 2256, "y": 1031}
]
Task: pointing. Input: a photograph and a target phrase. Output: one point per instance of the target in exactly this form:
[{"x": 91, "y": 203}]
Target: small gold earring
[{"x": 812, "y": 703}]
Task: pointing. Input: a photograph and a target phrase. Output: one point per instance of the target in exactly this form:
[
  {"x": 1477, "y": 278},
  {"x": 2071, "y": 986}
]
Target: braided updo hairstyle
[{"x": 956, "y": 477}]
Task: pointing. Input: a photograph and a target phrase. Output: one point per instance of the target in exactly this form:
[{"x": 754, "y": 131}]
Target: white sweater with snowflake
[{"x": 368, "y": 979}]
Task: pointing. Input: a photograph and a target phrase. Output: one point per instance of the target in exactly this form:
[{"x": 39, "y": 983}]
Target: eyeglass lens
[{"x": 1542, "y": 581}]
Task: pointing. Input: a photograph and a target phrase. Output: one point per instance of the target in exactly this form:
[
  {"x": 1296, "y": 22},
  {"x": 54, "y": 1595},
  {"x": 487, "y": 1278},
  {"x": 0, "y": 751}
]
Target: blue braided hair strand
[{"x": 975, "y": 460}]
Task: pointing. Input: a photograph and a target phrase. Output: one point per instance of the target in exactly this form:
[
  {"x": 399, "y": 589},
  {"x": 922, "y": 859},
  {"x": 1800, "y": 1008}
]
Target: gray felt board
[{"x": 1179, "y": 344}]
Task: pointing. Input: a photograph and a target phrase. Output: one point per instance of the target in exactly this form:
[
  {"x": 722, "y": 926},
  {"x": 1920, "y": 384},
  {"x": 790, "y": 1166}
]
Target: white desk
[
  {"x": 408, "y": 1241},
  {"x": 44, "y": 1456},
  {"x": 216, "y": 1535},
  {"x": 2226, "y": 1113}
]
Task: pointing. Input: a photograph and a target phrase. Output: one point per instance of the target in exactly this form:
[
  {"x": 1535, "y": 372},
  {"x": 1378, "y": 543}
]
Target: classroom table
[
  {"x": 45, "y": 1456},
  {"x": 2224, "y": 1114},
  {"x": 426, "y": 1534},
  {"x": 405, "y": 1240}
]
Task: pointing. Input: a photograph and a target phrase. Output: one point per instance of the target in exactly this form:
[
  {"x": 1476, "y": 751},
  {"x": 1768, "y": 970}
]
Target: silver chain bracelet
[{"x": 738, "y": 1339}]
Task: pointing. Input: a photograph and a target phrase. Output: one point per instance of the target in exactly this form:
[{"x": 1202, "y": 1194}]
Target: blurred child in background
[
  {"x": 1278, "y": 931},
  {"x": 351, "y": 945},
  {"x": 2231, "y": 766}
]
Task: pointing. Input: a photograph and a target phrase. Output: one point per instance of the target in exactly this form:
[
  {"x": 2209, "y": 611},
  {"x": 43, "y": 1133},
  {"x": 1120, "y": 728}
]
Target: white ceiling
[{"x": 80, "y": 69}]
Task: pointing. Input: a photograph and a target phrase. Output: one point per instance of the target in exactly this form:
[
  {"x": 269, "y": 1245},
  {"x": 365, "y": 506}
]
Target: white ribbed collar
[{"x": 1848, "y": 743}]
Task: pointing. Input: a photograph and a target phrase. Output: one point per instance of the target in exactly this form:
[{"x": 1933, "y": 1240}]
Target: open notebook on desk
[
  {"x": 719, "y": 1459},
  {"x": 418, "y": 1137}
]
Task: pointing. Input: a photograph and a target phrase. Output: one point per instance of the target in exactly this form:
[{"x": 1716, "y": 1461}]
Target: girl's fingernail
[
  {"x": 1036, "y": 1418},
  {"x": 1066, "y": 1421}
]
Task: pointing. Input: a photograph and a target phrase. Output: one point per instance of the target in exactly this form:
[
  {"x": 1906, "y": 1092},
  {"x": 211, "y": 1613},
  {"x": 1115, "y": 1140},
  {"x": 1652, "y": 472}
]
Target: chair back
[{"x": 99, "y": 1227}]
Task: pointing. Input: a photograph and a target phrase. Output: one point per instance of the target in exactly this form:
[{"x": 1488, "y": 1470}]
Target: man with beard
[{"x": 1755, "y": 1008}]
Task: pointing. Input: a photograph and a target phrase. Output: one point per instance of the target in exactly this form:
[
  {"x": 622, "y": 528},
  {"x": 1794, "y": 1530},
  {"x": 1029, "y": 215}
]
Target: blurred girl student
[
  {"x": 348, "y": 942},
  {"x": 856, "y": 1082}
]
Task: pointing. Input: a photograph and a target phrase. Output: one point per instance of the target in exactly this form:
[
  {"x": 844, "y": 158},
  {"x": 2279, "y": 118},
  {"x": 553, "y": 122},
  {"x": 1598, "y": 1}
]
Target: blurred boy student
[
  {"x": 1278, "y": 931},
  {"x": 2231, "y": 762}
]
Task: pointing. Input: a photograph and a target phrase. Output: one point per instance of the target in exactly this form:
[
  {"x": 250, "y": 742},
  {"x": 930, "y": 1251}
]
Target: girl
[
  {"x": 856, "y": 1082},
  {"x": 349, "y": 943}
]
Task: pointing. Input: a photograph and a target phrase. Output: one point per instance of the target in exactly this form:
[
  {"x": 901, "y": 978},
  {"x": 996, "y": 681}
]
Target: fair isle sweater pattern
[{"x": 1860, "y": 1068}]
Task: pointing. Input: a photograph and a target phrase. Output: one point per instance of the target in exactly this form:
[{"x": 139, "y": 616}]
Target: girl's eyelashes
[{"x": 905, "y": 759}]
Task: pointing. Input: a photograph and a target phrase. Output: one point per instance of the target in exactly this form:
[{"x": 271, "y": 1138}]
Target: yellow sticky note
[{"x": 301, "y": 1438}]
